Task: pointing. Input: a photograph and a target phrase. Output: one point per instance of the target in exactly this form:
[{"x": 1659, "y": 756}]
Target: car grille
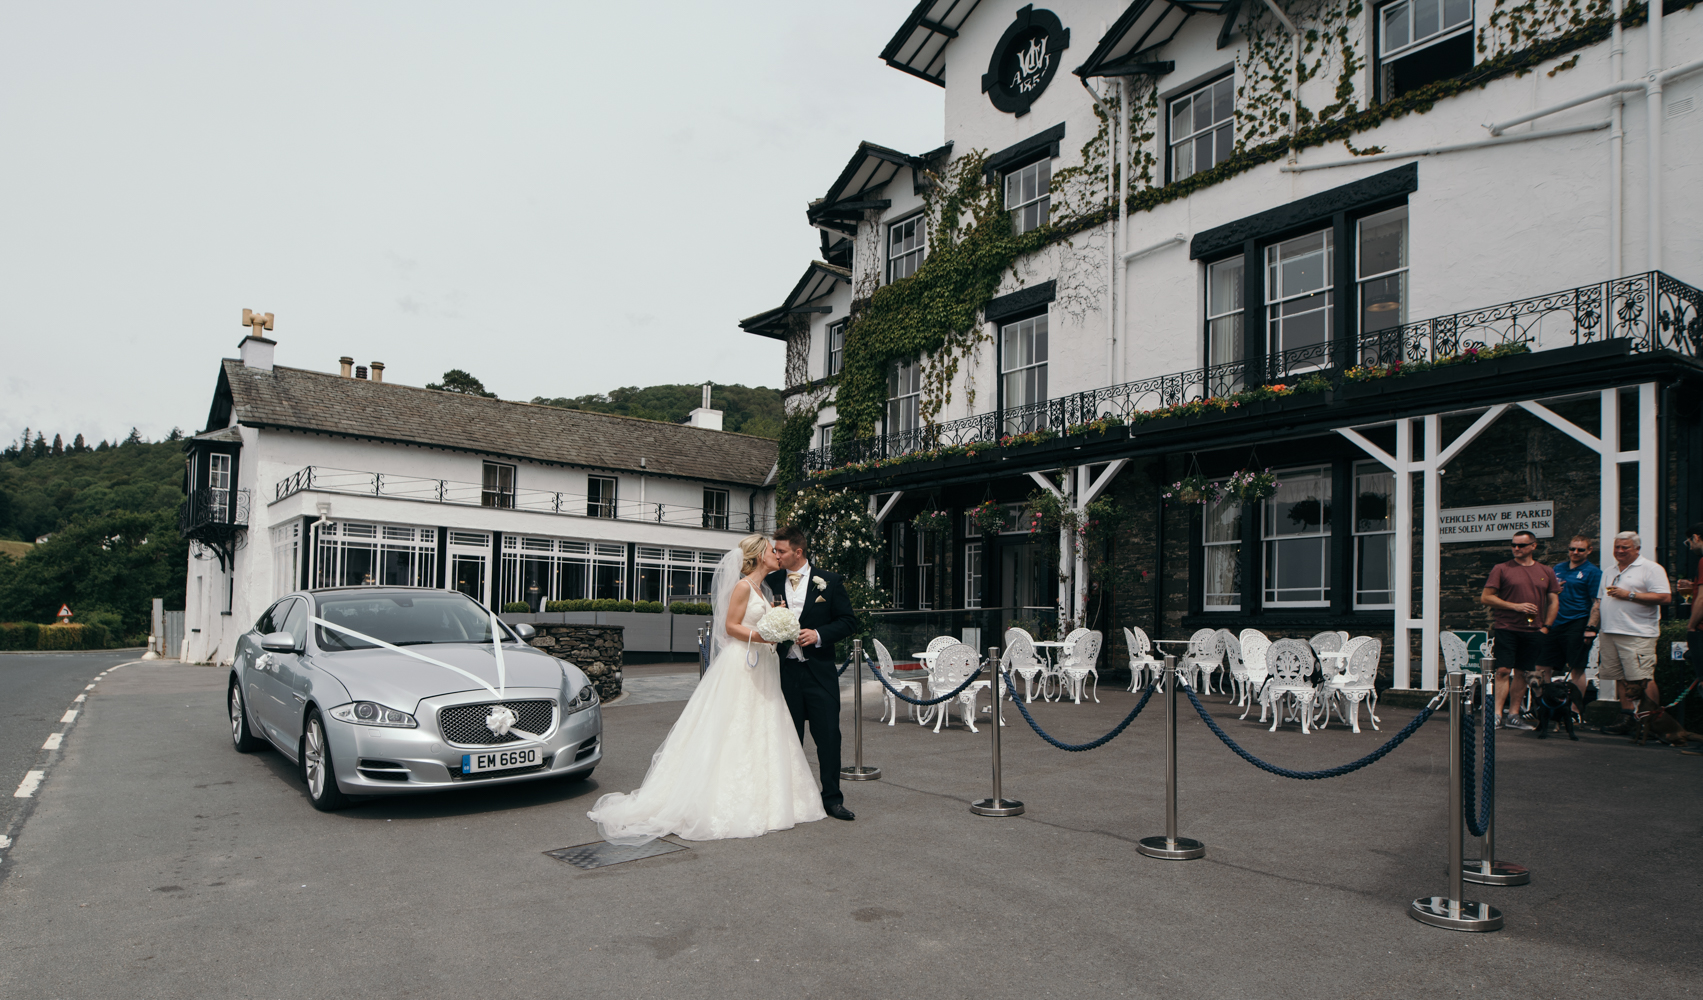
[{"x": 465, "y": 724}]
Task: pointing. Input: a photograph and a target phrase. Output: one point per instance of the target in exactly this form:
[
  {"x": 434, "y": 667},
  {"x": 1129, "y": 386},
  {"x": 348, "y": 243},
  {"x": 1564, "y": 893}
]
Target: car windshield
[{"x": 401, "y": 620}]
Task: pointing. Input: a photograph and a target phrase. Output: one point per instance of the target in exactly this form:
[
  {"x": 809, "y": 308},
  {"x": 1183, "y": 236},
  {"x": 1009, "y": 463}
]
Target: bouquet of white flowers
[{"x": 778, "y": 625}]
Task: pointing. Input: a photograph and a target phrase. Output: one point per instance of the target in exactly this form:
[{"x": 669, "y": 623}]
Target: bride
[{"x": 732, "y": 766}]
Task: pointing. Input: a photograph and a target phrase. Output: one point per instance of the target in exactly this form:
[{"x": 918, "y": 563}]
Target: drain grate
[{"x": 602, "y": 854}]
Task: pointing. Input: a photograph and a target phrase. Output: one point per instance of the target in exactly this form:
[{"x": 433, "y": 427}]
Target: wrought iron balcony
[
  {"x": 350, "y": 482},
  {"x": 213, "y": 516},
  {"x": 1653, "y": 311}
]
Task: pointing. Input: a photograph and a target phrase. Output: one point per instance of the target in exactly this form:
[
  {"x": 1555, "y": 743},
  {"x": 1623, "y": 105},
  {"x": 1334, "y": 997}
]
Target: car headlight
[
  {"x": 368, "y": 713},
  {"x": 585, "y": 698}
]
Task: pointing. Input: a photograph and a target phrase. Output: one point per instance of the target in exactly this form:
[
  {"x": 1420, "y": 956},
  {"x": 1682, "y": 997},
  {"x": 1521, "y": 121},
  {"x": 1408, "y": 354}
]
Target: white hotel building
[{"x": 312, "y": 479}]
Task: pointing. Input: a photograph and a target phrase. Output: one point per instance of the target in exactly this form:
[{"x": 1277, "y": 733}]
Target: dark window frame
[
  {"x": 1379, "y": 63},
  {"x": 492, "y": 491},
  {"x": 714, "y": 516},
  {"x": 597, "y": 502}
]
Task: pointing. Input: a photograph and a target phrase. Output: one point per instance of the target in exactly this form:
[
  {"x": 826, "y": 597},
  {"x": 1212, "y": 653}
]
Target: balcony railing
[
  {"x": 350, "y": 482},
  {"x": 209, "y": 514},
  {"x": 1652, "y": 310}
]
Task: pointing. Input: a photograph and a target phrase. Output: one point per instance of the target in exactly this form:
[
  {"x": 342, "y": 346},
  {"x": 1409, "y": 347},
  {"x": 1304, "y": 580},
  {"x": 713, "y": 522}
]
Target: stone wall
[{"x": 595, "y": 649}]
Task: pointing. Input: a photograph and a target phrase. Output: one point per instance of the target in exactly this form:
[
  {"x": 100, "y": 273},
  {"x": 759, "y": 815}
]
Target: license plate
[{"x": 499, "y": 760}]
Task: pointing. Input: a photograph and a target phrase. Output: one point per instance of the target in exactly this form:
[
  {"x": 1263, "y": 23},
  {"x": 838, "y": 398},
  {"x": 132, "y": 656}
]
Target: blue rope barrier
[
  {"x": 1469, "y": 764},
  {"x": 1329, "y": 772},
  {"x": 932, "y": 701},
  {"x": 1078, "y": 747},
  {"x": 842, "y": 671}
]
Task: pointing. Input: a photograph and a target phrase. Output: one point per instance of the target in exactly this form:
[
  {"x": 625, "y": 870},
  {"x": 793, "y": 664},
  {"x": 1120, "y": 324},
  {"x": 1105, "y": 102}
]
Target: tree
[
  {"x": 756, "y": 411},
  {"x": 134, "y": 438},
  {"x": 456, "y": 380},
  {"x": 39, "y": 449},
  {"x": 79, "y": 446},
  {"x": 58, "y": 446},
  {"x": 175, "y": 435}
]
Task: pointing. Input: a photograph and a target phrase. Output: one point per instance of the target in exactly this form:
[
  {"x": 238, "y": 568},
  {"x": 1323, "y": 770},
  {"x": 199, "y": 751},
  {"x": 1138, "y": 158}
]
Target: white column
[
  {"x": 1648, "y": 490},
  {"x": 1403, "y": 674},
  {"x": 1431, "y": 614},
  {"x": 1609, "y": 463},
  {"x": 1066, "y": 549},
  {"x": 1083, "y": 485}
]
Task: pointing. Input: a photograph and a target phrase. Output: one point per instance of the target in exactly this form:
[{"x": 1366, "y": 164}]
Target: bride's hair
[{"x": 753, "y": 547}]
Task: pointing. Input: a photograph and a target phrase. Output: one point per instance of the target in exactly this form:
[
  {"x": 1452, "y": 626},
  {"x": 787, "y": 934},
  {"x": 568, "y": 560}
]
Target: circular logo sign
[{"x": 1025, "y": 60}]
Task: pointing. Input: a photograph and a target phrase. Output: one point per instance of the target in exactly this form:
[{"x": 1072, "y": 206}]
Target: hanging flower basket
[
  {"x": 988, "y": 517},
  {"x": 933, "y": 521},
  {"x": 1192, "y": 489},
  {"x": 1249, "y": 486}
]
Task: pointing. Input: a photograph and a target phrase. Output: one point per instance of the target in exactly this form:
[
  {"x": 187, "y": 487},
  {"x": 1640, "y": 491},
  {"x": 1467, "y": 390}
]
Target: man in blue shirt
[{"x": 1571, "y": 635}]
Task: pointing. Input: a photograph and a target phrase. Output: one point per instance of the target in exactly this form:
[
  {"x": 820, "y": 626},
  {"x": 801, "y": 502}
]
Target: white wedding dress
[{"x": 732, "y": 766}]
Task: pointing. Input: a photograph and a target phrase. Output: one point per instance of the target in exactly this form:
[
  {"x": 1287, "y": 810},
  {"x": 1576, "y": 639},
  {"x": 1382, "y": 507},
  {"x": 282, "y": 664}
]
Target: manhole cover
[{"x": 602, "y": 854}]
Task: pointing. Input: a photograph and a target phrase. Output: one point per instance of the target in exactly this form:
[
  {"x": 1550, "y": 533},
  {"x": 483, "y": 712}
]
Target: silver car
[{"x": 359, "y": 718}]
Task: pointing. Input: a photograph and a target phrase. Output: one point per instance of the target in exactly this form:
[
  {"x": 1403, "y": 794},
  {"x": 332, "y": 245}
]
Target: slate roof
[{"x": 317, "y": 402}]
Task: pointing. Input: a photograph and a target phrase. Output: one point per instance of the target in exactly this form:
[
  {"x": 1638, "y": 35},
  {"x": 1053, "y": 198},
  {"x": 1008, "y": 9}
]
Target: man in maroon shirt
[{"x": 1524, "y": 597}]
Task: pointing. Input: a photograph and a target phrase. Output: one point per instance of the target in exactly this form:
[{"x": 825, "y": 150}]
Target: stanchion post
[
  {"x": 857, "y": 772},
  {"x": 997, "y": 805},
  {"x": 1171, "y": 847},
  {"x": 1485, "y": 869},
  {"x": 1452, "y": 911}
]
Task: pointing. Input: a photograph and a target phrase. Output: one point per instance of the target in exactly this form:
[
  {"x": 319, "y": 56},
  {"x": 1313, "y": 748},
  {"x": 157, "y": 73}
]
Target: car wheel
[
  {"x": 241, "y": 738},
  {"x": 317, "y": 771}
]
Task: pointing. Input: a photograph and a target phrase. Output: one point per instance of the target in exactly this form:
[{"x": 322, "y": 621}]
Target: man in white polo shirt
[{"x": 1629, "y": 609}]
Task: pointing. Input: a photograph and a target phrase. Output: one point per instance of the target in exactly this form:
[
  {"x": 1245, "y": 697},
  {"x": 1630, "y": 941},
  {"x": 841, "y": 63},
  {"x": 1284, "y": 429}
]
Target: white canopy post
[
  {"x": 1063, "y": 494},
  {"x": 879, "y": 513}
]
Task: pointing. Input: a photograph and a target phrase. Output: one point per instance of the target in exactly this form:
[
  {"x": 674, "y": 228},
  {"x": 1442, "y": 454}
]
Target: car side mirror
[
  {"x": 278, "y": 642},
  {"x": 524, "y": 631}
]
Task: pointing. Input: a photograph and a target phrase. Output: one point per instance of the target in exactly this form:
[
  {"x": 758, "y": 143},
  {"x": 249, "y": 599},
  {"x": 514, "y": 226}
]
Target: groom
[{"x": 810, "y": 686}]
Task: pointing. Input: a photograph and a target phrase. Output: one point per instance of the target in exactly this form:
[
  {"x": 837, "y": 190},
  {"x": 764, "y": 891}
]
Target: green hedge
[
  {"x": 29, "y": 635},
  {"x": 516, "y": 607},
  {"x": 690, "y": 608},
  {"x": 604, "y": 604},
  {"x": 18, "y": 635}
]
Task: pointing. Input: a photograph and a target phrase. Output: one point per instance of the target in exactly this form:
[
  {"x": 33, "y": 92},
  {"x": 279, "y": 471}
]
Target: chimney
[
  {"x": 348, "y": 365},
  {"x": 705, "y": 417},
  {"x": 378, "y": 371},
  {"x": 361, "y": 371},
  {"x": 256, "y": 351}
]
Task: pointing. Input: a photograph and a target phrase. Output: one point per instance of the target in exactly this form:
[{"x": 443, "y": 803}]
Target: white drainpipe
[
  {"x": 1616, "y": 147},
  {"x": 1294, "y": 75},
  {"x": 1653, "y": 101}
]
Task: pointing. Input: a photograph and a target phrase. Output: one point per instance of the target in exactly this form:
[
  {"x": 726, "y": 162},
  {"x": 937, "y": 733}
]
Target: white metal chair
[
  {"x": 939, "y": 643},
  {"x": 1328, "y": 642},
  {"x": 1291, "y": 664},
  {"x": 951, "y": 667},
  {"x": 1255, "y": 646},
  {"x": 1346, "y": 690},
  {"x": 1231, "y": 648},
  {"x": 1078, "y": 662},
  {"x": 1020, "y": 654},
  {"x": 1141, "y": 661},
  {"x": 1201, "y": 660},
  {"x": 890, "y": 704}
]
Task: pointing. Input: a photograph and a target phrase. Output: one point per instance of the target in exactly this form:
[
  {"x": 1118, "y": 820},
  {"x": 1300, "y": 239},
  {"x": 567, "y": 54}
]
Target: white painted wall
[{"x": 1486, "y": 226}]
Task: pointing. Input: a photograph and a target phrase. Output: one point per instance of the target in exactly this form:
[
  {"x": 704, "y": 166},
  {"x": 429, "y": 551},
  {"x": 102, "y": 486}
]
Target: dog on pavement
[
  {"x": 1555, "y": 702},
  {"x": 1654, "y": 720}
]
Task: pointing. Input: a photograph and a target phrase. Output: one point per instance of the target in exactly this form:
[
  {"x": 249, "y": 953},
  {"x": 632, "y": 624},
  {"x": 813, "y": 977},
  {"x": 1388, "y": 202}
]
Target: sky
[{"x": 561, "y": 198}]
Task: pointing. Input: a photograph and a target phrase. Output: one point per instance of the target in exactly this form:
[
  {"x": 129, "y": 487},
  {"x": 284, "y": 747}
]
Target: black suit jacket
[{"x": 827, "y": 610}]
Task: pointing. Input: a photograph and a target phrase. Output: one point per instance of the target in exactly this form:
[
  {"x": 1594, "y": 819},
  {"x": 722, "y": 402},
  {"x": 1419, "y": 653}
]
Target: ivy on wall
[{"x": 935, "y": 315}]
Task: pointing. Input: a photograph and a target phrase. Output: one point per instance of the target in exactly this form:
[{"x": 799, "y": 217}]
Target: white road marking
[
  {"x": 69, "y": 716},
  {"x": 80, "y": 698},
  {"x": 53, "y": 741},
  {"x": 91, "y": 687},
  {"x": 31, "y": 782},
  {"x": 5, "y": 842}
]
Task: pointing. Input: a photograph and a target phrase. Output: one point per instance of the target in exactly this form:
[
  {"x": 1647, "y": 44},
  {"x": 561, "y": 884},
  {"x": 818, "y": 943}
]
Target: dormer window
[
  {"x": 1028, "y": 195},
  {"x": 1421, "y": 42},
  {"x": 905, "y": 248},
  {"x": 836, "y": 349}
]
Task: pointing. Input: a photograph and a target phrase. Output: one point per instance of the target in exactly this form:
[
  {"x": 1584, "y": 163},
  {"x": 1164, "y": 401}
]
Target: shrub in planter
[
  {"x": 516, "y": 608},
  {"x": 691, "y": 608},
  {"x": 575, "y": 605}
]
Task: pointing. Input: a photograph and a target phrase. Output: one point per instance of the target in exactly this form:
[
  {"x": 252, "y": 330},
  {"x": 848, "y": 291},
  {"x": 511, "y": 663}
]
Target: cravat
[{"x": 792, "y": 579}]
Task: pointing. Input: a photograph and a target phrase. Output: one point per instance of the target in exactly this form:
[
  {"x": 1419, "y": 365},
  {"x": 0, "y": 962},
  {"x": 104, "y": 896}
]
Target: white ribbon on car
[{"x": 501, "y": 715}]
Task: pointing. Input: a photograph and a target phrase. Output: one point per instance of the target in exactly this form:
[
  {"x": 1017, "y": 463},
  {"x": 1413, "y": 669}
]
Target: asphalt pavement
[
  {"x": 160, "y": 863},
  {"x": 40, "y": 688}
]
